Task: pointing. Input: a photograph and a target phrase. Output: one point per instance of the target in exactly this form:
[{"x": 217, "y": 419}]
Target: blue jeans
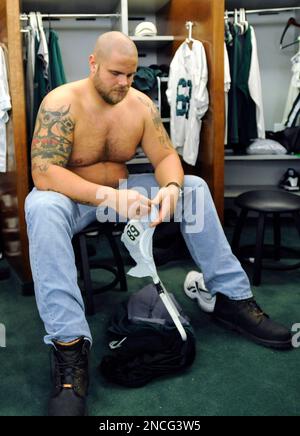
[{"x": 53, "y": 219}]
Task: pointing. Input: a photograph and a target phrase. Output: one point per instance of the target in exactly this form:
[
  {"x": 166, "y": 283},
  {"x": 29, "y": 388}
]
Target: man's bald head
[
  {"x": 113, "y": 65},
  {"x": 110, "y": 42}
]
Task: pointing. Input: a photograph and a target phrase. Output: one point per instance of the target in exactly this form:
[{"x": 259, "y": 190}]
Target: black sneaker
[
  {"x": 70, "y": 379},
  {"x": 246, "y": 317},
  {"x": 290, "y": 181}
]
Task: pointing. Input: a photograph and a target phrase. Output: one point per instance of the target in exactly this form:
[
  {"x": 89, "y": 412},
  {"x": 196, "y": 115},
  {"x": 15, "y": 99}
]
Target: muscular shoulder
[
  {"x": 143, "y": 102},
  {"x": 148, "y": 109},
  {"x": 63, "y": 100}
]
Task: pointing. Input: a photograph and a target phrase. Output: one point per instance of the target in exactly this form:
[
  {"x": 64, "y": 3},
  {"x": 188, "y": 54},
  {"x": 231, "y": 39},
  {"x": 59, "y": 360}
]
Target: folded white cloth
[{"x": 266, "y": 146}]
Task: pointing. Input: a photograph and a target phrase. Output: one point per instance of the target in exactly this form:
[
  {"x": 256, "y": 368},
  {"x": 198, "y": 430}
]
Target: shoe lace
[
  {"x": 255, "y": 308},
  {"x": 67, "y": 370}
]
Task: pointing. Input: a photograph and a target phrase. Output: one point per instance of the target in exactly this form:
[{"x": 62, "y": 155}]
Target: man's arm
[
  {"x": 165, "y": 160},
  {"x": 158, "y": 147},
  {"x": 51, "y": 148}
]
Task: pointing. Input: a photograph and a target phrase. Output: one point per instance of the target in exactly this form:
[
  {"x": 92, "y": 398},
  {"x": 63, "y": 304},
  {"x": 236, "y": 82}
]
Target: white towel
[{"x": 138, "y": 239}]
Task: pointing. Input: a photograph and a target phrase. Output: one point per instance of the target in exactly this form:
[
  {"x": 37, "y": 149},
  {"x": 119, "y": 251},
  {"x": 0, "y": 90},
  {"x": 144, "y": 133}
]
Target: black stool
[
  {"x": 4, "y": 271},
  {"x": 85, "y": 264},
  {"x": 265, "y": 202}
]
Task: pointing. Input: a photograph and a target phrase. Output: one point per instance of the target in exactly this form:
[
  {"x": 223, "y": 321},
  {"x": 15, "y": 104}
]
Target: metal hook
[{"x": 189, "y": 25}]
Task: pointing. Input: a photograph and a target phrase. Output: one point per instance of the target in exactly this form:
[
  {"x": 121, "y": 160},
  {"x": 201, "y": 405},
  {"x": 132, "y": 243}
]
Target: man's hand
[
  {"x": 167, "y": 199},
  {"x": 130, "y": 203}
]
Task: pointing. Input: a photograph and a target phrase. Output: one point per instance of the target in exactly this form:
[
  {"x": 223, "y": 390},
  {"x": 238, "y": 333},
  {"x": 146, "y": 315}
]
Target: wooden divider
[{"x": 208, "y": 19}]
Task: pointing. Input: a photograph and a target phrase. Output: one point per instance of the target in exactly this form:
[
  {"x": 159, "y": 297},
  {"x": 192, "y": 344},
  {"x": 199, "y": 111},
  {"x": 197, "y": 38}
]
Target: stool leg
[
  {"x": 90, "y": 310},
  {"x": 259, "y": 249},
  {"x": 119, "y": 261},
  {"x": 296, "y": 216},
  {"x": 277, "y": 235},
  {"x": 238, "y": 231},
  {"x": 76, "y": 249}
]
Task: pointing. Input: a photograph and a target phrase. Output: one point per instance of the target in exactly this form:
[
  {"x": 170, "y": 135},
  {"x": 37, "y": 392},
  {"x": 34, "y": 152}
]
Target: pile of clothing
[
  {"x": 144, "y": 341},
  {"x": 145, "y": 79}
]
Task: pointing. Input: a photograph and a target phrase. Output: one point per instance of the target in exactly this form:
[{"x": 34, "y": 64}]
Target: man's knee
[
  {"x": 41, "y": 202},
  {"x": 194, "y": 181}
]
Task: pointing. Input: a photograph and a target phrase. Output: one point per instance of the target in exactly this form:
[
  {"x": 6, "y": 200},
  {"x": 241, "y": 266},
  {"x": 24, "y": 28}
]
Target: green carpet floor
[{"x": 230, "y": 376}]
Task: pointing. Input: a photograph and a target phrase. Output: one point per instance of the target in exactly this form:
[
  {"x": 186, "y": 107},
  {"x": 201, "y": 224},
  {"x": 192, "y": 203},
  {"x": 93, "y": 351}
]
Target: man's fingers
[
  {"x": 164, "y": 214},
  {"x": 157, "y": 200},
  {"x": 165, "y": 210},
  {"x": 138, "y": 209},
  {"x": 155, "y": 223}
]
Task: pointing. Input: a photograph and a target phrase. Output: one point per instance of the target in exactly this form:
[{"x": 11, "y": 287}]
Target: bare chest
[{"x": 113, "y": 140}]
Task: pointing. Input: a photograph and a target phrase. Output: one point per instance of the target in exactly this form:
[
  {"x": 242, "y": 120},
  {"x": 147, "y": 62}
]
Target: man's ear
[{"x": 93, "y": 64}]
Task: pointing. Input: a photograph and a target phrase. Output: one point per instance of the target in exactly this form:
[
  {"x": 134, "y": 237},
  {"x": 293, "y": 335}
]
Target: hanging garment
[
  {"x": 145, "y": 344},
  {"x": 29, "y": 59},
  {"x": 255, "y": 87},
  {"x": 10, "y": 151},
  {"x": 57, "y": 72},
  {"x": 294, "y": 88},
  {"x": 227, "y": 85},
  {"x": 188, "y": 97},
  {"x": 5, "y": 106},
  {"x": 41, "y": 87},
  {"x": 42, "y": 84},
  {"x": 43, "y": 52},
  {"x": 242, "y": 125},
  {"x": 294, "y": 116},
  {"x": 227, "y": 33},
  {"x": 233, "y": 51},
  {"x": 41, "y": 76},
  {"x": 5, "y": 53},
  {"x": 32, "y": 41}
]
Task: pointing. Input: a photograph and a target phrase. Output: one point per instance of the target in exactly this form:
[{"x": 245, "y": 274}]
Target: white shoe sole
[
  {"x": 291, "y": 188},
  {"x": 205, "y": 301}
]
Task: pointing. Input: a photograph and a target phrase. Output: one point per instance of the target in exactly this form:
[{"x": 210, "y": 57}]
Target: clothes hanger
[
  {"x": 291, "y": 22},
  {"x": 34, "y": 25},
  {"x": 49, "y": 28},
  {"x": 39, "y": 21},
  {"x": 189, "y": 25},
  {"x": 240, "y": 14},
  {"x": 228, "y": 32},
  {"x": 236, "y": 21},
  {"x": 49, "y": 23},
  {"x": 226, "y": 17},
  {"x": 243, "y": 19}
]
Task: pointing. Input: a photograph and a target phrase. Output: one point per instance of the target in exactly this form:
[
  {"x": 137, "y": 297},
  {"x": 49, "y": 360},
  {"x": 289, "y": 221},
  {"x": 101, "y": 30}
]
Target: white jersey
[
  {"x": 188, "y": 97},
  {"x": 255, "y": 88},
  {"x": 5, "y": 106}
]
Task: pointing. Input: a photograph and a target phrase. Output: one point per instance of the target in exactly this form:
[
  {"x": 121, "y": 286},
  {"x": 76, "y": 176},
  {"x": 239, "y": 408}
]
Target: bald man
[{"x": 85, "y": 133}]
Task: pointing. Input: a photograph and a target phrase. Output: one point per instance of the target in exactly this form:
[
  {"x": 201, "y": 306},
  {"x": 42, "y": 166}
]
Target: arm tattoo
[
  {"x": 161, "y": 131},
  {"x": 53, "y": 138}
]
